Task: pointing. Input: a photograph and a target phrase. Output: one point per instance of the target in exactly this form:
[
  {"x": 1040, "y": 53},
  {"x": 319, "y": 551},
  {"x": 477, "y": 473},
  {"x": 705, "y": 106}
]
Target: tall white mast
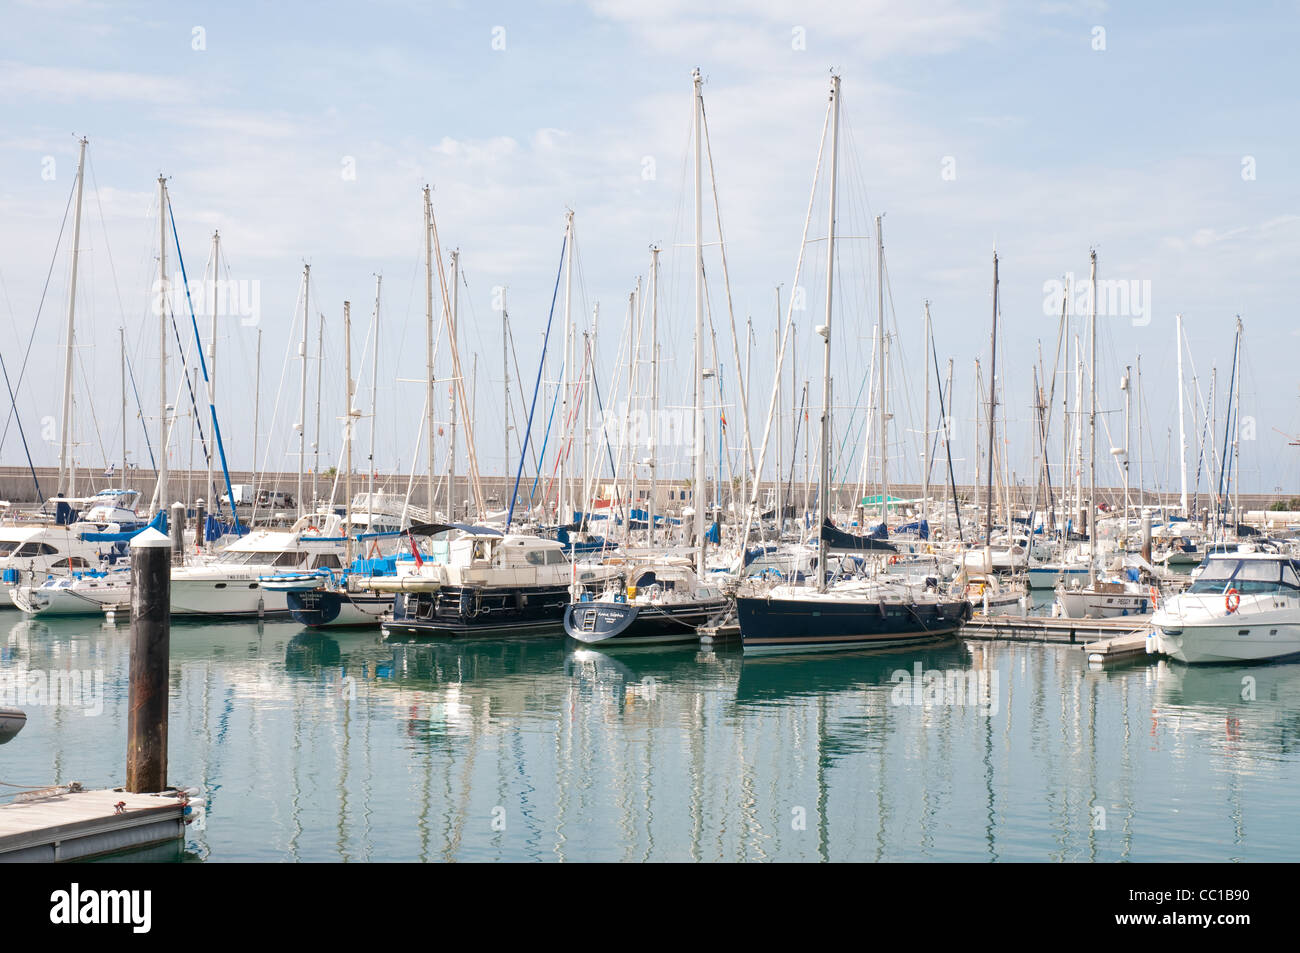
[
  {"x": 455, "y": 331},
  {"x": 1128, "y": 406},
  {"x": 1092, "y": 421},
  {"x": 629, "y": 445},
  {"x": 208, "y": 490},
  {"x": 1182, "y": 425},
  {"x": 374, "y": 403},
  {"x": 121, "y": 336},
  {"x": 302, "y": 393},
  {"x": 1141, "y": 478},
  {"x": 257, "y": 404},
  {"x": 699, "y": 494},
  {"x": 654, "y": 391},
  {"x": 780, "y": 425},
  {"x": 993, "y": 403},
  {"x": 1078, "y": 429},
  {"x": 347, "y": 427},
  {"x": 589, "y": 351},
  {"x": 824, "y": 491},
  {"x": 163, "y": 493},
  {"x": 1236, "y": 436},
  {"x": 428, "y": 338},
  {"x": 566, "y": 368},
  {"x": 315, "y": 444},
  {"x": 505, "y": 370},
  {"x": 65, "y": 434},
  {"x": 884, "y": 364},
  {"x": 925, "y": 431}
]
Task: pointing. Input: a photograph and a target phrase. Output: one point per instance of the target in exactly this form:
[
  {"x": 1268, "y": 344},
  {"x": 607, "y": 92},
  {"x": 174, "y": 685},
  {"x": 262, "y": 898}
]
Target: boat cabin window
[
  {"x": 37, "y": 549},
  {"x": 326, "y": 561},
  {"x": 7, "y": 548},
  {"x": 545, "y": 557},
  {"x": 287, "y": 559},
  {"x": 1247, "y": 576},
  {"x": 1289, "y": 575}
]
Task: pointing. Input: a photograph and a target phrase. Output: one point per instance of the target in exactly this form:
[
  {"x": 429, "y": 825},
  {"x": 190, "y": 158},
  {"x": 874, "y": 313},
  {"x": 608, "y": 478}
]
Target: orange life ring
[{"x": 1231, "y": 600}]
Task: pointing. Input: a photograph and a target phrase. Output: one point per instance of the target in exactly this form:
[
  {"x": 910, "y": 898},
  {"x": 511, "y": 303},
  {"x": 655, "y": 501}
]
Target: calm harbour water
[{"x": 329, "y": 747}]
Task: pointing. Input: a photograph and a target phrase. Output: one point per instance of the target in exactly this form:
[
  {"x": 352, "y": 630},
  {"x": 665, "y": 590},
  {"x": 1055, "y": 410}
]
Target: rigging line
[
  {"x": 567, "y": 438},
  {"x": 39, "y": 308},
  {"x": 609, "y": 450},
  {"x": 624, "y": 435},
  {"x": 189, "y": 386},
  {"x": 546, "y": 439},
  {"x": 514, "y": 353},
  {"x": 742, "y": 384},
  {"x": 112, "y": 267},
  {"x": 528, "y": 433},
  {"x": 85, "y": 380},
  {"x": 1225, "y": 466},
  {"x": 139, "y": 412},
  {"x": 789, "y": 318},
  {"x": 279, "y": 391},
  {"x": 23, "y": 434}
]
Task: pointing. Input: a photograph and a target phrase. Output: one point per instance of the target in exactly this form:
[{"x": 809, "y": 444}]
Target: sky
[{"x": 1161, "y": 136}]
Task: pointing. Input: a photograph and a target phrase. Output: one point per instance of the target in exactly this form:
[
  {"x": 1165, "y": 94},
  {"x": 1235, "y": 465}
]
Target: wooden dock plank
[{"x": 74, "y": 826}]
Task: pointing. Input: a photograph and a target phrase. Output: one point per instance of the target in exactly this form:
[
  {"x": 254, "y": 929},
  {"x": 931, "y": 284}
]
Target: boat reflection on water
[
  {"x": 1250, "y": 707},
  {"x": 630, "y": 674},
  {"x": 777, "y": 677},
  {"x": 431, "y": 663},
  {"x": 307, "y": 652},
  {"x": 460, "y": 689}
]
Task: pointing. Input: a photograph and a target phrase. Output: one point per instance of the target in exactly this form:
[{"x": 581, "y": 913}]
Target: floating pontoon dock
[
  {"x": 1105, "y": 640},
  {"x": 69, "y": 824}
]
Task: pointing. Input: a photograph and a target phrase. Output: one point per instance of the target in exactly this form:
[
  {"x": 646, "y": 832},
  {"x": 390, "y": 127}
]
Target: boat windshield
[{"x": 1247, "y": 576}]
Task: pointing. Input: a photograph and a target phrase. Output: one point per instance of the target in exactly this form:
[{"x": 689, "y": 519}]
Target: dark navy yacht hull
[
  {"x": 319, "y": 608},
  {"x": 459, "y": 611},
  {"x": 800, "y": 625},
  {"x": 626, "y": 623}
]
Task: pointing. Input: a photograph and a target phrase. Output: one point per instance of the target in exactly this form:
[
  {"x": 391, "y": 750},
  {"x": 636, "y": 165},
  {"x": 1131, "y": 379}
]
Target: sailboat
[
  {"x": 663, "y": 598},
  {"x": 852, "y": 611},
  {"x": 1124, "y": 594}
]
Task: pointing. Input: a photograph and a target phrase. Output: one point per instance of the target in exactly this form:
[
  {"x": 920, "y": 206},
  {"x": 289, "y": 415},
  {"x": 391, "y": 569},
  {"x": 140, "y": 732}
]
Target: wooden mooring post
[{"x": 146, "y": 743}]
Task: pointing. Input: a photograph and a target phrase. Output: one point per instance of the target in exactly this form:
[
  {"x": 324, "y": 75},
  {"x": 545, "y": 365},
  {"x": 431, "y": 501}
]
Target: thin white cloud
[{"x": 22, "y": 81}]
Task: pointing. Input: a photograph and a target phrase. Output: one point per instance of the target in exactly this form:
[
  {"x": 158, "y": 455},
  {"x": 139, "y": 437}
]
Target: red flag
[{"x": 415, "y": 551}]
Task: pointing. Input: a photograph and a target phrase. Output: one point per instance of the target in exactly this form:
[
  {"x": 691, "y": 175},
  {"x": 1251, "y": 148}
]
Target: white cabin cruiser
[
  {"x": 32, "y": 551},
  {"x": 1243, "y": 607},
  {"x": 229, "y": 584},
  {"x": 81, "y": 594}
]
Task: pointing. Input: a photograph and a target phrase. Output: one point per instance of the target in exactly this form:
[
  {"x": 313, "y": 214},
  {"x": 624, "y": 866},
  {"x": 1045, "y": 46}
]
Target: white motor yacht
[{"x": 1243, "y": 607}]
